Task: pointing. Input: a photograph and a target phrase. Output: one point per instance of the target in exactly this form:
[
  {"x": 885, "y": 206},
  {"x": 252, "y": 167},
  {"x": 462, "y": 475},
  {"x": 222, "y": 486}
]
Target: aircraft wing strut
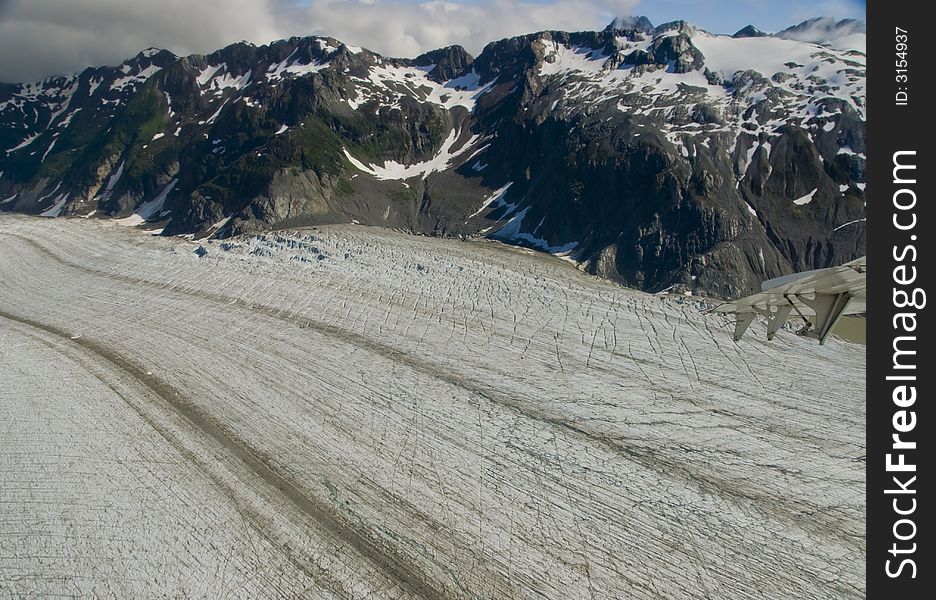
[{"x": 826, "y": 294}]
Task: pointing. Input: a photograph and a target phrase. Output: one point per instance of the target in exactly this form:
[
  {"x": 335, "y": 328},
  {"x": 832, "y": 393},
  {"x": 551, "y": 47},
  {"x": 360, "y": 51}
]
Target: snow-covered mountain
[
  {"x": 655, "y": 156},
  {"x": 847, "y": 34}
]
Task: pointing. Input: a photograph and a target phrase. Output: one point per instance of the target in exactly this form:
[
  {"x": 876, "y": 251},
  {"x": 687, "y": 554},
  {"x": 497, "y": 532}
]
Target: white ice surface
[{"x": 352, "y": 413}]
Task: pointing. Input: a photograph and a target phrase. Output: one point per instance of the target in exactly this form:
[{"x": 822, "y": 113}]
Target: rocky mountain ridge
[{"x": 654, "y": 156}]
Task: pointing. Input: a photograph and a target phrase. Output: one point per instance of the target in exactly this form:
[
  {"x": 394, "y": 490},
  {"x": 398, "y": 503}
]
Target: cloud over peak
[{"x": 39, "y": 38}]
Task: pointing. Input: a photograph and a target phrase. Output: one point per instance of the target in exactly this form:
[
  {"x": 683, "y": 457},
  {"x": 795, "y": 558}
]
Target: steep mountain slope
[{"x": 652, "y": 156}]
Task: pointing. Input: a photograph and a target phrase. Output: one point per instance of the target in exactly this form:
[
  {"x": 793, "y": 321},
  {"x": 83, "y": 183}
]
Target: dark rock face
[
  {"x": 678, "y": 52},
  {"x": 447, "y": 63},
  {"x": 641, "y": 24},
  {"x": 656, "y": 157},
  {"x": 749, "y": 31}
]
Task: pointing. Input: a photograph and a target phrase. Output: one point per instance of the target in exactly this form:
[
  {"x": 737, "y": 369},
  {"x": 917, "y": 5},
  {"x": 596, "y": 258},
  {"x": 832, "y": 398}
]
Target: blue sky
[
  {"x": 718, "y": 16},
  {"x": 39, "y": 38},
  {"x": 727, "y": 16}
]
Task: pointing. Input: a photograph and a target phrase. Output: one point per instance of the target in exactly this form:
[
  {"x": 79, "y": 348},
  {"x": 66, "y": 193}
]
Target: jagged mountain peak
[
  {"x": 630, "y": 23},
  {"x": 450, "y": 54},
  {"x": 748, "y": 31},
  {"x": 153, "y": 51},
  {"x": 150, "y": 56},
  {"x": 682, "y": 27},
  {"x": 447, "y": 63}
]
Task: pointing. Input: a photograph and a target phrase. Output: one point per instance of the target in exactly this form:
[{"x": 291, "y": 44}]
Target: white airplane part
[{"x": 828, "y": 294}]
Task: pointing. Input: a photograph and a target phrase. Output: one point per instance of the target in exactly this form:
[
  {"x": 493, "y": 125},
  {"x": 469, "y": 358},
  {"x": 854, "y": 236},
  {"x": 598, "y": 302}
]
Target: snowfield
[{"x": 355, "y": 413}]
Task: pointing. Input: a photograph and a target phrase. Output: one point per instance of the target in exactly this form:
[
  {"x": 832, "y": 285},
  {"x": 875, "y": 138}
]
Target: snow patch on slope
[
  {"x": 497, "y": 196},
  {"x": 148, "y": 209},
  {"x": 294, "y": 67},
  {"x": 130, "y": 81},
  {"x": 440, "y": 162},
  {"x": 559, "y": 58},
  {"x": 56, "y": 209},
  {"x": 388, "y": 83},
  {"x": 805, "y": 199}
]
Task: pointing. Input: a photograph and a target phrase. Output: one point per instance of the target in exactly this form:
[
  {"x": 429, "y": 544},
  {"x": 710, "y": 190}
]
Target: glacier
[{"x": 353, "y": 412}]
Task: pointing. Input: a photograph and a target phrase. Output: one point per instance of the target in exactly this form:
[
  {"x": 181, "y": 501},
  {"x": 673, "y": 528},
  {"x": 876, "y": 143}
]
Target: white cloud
[
  {"x": 44, "y": 37},
  {"x": 408, "y": 28}
]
